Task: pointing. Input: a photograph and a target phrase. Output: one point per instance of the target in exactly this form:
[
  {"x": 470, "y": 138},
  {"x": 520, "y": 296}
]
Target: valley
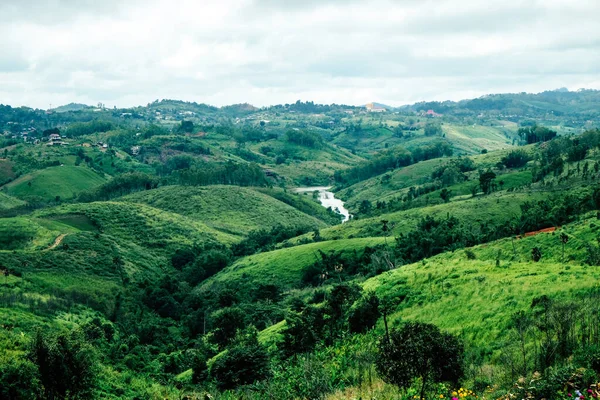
[{"x": 243, "y": 252}]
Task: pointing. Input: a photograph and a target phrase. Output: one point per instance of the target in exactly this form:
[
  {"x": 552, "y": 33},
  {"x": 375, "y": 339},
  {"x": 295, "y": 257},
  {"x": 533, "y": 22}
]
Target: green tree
[
  {"x": 486, "y": 180},
  {"x": 446, "y": 194},
  {"x": 19, "y": 379},
  {"x": 364, "y": 314},
  {"x": 245, "y": 362},
  {"x": 186, "y": 127},
  {"x": 433, "y": 129},
  {"x": 66, "y": 365},
  {"x": 227, "y": 322},
  {"x": 365, "y": 207},
  {"x": 420, "y": 351}
]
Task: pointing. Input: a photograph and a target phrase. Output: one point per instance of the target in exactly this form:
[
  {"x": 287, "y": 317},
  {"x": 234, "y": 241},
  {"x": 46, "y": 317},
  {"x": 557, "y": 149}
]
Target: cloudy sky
[{"x": 131, "y": 52}]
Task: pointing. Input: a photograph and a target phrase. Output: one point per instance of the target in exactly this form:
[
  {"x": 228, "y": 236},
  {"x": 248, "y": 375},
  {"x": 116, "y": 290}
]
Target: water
[{"x": 327, "y": 200}]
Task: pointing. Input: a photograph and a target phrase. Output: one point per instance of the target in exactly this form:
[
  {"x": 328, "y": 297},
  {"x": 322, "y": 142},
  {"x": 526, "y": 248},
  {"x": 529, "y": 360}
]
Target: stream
[{"x": 327, "y": 200}]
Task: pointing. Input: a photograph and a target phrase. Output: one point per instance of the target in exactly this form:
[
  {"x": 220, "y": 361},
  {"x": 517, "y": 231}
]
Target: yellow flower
[
  {"x": 454, "y": 393},
  {"x": 441, "y": 396}
]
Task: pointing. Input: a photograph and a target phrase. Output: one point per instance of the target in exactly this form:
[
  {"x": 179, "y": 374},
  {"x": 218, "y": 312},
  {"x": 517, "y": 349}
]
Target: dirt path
[{"x": 57, "y": 242}]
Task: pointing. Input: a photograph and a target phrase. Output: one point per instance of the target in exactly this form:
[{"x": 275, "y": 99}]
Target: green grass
[
  {"x": 284, "y": 267},
  {"x": 8, "y": 202},
  {"x": 475, "y": 298},
  {"x": 496, "y": 208},
  {"x": 230, "y": 209},
  {"x": 137, "y": 223},
  {"x": 46, "y": 184},
  {"x": 469, "y": 139},
  {"x": 29, "y": 234},
  {"x": 374, "y": 188},
  {"x": 6, "y": 170}
]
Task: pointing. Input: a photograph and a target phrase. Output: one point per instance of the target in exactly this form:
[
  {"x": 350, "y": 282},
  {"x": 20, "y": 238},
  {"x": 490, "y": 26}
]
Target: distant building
[
  {"x": 54, "y": 136},
  {"x": 372, "y": 107},
  {"x": 431, "y": 113}
]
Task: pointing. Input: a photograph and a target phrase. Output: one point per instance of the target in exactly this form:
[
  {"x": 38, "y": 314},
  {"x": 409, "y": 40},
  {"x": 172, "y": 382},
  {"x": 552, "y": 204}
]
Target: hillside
[
  {"x": 166, "y": 245},
  {"x": 284, "y": 266},
  {"x": 7, "y": 202},
  {"x": 63, "y": 182},
  {"x": 229, "y": 209}
]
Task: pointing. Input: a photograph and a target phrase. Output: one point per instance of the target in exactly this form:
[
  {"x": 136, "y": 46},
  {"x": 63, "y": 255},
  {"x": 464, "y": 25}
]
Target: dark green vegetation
[{"x": 154, "y": 257}]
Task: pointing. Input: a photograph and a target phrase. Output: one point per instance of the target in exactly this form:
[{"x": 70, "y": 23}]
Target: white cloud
[{"x": 267, "y": 51}]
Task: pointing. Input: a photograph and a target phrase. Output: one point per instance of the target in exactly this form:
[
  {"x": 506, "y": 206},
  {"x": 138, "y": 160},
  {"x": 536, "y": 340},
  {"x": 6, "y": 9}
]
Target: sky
[{"x": 264, "y": 52}]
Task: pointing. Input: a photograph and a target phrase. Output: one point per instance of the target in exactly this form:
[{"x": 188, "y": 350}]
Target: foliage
[
  {"x": 515, "y": 159},
  {"x": 66, "y": 365},
  {"x": 419, "y": 350},
  {"x": 245, "y": 362}
]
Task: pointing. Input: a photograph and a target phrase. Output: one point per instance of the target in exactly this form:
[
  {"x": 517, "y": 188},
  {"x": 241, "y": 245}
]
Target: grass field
[
  {"x": 469, "y": 139},
  {"x": 285, "y": 266},
  {"x": 476, "y": 298},
  {"x": 7, "y": 202},
  {"x": 230, "y": 209},
  {"x": 495, "y": 208},
  {"x": 62, "y": 181}
]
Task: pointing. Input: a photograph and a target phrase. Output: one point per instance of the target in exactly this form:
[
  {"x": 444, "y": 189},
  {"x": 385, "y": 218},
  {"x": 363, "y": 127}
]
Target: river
[{"x": 327, "y": 200}]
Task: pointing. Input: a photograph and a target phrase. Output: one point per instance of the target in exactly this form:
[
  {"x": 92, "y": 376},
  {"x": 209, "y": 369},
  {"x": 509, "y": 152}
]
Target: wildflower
[
  {"x": 569, "y": 394},
  {"x": 589, "y": 390}
]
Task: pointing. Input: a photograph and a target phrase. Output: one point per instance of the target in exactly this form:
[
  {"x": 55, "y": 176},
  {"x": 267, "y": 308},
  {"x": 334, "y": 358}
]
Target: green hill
[
  {"x": 231, "y": 209},
  {"x": 7, "y": 202},
  {"x": 284, "y": 266},
  {"x": 441, "y": 289},
  {"x": 61, "y": 181}
]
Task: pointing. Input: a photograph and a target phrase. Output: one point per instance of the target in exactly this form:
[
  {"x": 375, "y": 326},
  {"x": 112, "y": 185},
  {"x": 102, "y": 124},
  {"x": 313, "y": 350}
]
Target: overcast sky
[{"x": 131, "y": 52}]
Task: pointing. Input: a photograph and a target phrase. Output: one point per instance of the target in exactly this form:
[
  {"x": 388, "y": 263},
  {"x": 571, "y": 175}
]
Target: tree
[
  {"x": 227, "y": 322},
  {"x": 515, "y": 159},
  {"x": 365, "y": 207},
  {"x": 186, "y": 127},
  {"x": 364, "y": 314},
  {"x": 432, "y": 129},
  {"x": 536, "y": 254},
  {"x": 66, "y": 365},
  {"x": 420, "y": 351},
  {"x": 445, "y": 194},
  {"x": 564, "y": 239},
  {"x": 19, "y": 379},
  {"x": 245, "y": 362},
  {"x": 485, "y": 180}
]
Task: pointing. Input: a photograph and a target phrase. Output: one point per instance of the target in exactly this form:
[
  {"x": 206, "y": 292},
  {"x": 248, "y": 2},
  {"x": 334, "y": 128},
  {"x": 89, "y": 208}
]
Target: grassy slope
[
  {"x": 476, "y": 298},
  {"x": 474, "y": 138},
  {"x": 7, "y": 202},
  {"x": 65, "y": 181},
  {"x": 231, "y": 209},
  {"x": 285, "y": 266},
  {"x": 401, "y": 179},
  {"x": 496, "y": 208}
]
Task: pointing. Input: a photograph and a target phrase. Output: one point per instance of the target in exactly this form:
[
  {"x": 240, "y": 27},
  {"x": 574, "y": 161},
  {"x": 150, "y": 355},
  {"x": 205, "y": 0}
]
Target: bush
[
  {"x": 420, "y": 351},
  {"x": 364, "y": 314},
  {"x": 515, "y": 159},
  {"x": 245, "y": 362}
]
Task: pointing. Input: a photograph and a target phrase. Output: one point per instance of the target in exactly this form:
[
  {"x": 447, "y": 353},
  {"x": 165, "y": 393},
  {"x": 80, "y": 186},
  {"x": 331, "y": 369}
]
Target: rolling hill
[
  {"x": 230, "y": 209},
  {"x": 64, "y": 182}
]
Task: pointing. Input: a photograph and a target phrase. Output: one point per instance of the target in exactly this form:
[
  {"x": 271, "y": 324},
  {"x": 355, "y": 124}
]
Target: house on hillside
[
  {"x": 431, "y": 113},
  {"x": 53, "y": 137},
  {"x": 372, "y": 107}
]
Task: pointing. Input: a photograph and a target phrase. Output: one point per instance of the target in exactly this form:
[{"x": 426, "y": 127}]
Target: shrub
[
  {"x": 245, "y": 362},
  {"x": 364, "y": 314},
  {"x": 420, "y": 351}
]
